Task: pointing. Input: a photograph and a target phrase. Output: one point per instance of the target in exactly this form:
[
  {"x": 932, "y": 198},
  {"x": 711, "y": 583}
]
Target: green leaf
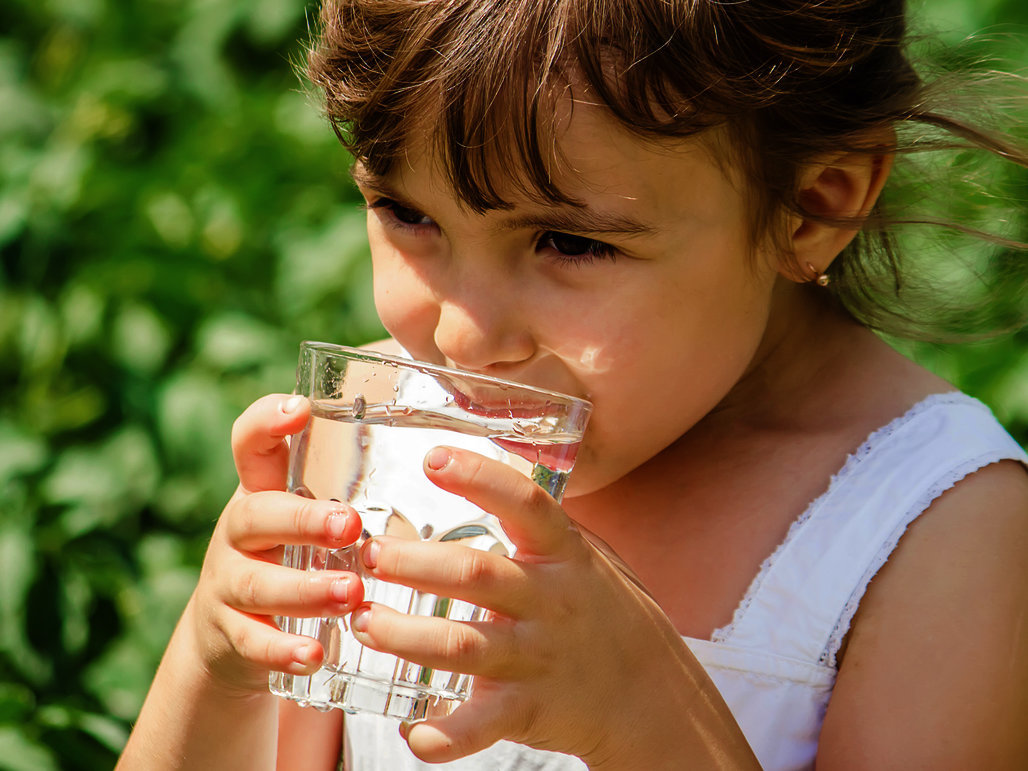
[
  {"x": 20, "y": 453},
  {"x": 41, "y": 341},
  {"x": 171, "y": 217},
  {"x": 316, "y": 264},
  {"x": 107, "y": 731},
  {"x": 76, "y": 603},
  {"x": 120, "y": 677},
  {"x": 195, "y": 421},
  {"x": 101, "y": 484},
  {"x": 232, "y": 341},
  {"x": 19, "y": 753},
  {"x": 16, "y": 702},
  {"x": 81, "y": 310},
  {"x": 270, "y": 21},
  {"x": 140, "y": 339},
  {"x": 20, "y": 567}
]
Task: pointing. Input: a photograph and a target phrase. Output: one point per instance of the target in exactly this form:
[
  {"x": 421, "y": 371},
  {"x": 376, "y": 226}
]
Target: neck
[
  {"x": 809, "y": 349},
  {"x": 726, "y": 492}
]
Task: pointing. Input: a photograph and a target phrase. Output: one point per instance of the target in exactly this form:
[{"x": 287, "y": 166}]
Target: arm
[
  {"x": 209, "y": 705},
  {"x": 935, "y": 671},
  {"x": 189, "y": 720},
  {"x": 308, "y": 740},
  {"x": 215, "y": 727}
]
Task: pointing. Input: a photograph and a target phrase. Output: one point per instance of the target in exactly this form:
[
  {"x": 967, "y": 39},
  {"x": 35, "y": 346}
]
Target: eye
[
  {"x": 574, "y": 249},
  {"x": 400, "y": 215}
]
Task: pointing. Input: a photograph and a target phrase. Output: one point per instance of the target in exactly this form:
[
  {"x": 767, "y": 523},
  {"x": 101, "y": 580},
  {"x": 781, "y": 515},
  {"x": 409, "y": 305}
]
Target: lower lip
[
  {"x": 496, "y": 409},
  {"x": 557, "y": 457}
]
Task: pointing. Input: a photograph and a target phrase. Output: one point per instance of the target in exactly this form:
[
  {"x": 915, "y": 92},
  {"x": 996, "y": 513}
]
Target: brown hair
[{"x": 790, "y": 80}]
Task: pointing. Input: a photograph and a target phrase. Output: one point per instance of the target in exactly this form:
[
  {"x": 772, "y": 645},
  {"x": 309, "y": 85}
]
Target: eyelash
[
  {"x": 393, "y": 208},
  {"x": 592, "y": 250}
]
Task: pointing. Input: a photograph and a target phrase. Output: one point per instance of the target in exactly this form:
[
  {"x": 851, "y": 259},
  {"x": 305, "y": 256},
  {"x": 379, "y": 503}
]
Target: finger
[
  {"x": 535, "y": 522},
  {"x": 263, "y": 589},
  {"x": 450, "y": 570},
  {"x": 463, "y": 732},
  {"x": 258, "y": 440},
  {"x": 261, "y": 521},
  {"x": 468, "y": 647},
  {"x": 261, "y": 643}
]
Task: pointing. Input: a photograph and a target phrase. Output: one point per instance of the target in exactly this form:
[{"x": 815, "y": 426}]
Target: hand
[
  {"x": 575, "y": 656},
  {"x": 243, "y": 583}
]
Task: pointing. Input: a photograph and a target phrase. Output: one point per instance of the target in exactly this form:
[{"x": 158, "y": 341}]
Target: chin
[{"x": 588, "y": 476}]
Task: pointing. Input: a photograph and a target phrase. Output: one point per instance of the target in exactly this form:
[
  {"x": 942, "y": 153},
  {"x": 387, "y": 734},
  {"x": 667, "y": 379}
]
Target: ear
[{"x": 843, "y": 189}]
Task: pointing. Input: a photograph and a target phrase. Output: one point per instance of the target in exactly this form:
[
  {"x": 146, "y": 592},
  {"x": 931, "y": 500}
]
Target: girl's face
[{"x": 648, "y": 301}]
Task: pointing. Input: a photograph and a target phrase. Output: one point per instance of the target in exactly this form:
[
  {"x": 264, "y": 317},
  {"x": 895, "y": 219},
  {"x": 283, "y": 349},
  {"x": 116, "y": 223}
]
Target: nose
[{"x": 483, "y": 330}]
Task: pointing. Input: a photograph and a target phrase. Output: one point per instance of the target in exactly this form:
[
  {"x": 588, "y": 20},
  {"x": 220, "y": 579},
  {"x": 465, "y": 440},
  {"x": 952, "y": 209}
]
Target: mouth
[
  {"x": 494, "y": 404},
  {"x": 495, "y": 394}
]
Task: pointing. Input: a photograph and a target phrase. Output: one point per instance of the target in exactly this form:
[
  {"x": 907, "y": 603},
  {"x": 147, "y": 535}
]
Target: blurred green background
[{"x": 174, "y": 218}]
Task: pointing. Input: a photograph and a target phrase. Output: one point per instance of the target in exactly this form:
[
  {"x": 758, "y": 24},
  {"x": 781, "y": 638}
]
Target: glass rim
[{"x": 367, "y": 354}]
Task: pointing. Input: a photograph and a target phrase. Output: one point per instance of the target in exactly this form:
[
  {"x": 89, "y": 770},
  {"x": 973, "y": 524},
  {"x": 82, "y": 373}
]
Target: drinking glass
[{"x": 373, "y": 419}]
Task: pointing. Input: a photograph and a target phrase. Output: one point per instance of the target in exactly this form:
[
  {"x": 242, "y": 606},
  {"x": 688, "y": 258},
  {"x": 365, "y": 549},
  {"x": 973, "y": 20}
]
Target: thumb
[{"x": 470, "y": 728}]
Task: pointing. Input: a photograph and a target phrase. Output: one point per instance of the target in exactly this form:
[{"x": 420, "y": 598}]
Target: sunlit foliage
[{"x": 174, "y": 218}]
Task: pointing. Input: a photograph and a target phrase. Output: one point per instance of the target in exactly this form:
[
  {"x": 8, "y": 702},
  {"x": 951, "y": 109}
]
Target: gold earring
[{"x": 821, "y": 279}]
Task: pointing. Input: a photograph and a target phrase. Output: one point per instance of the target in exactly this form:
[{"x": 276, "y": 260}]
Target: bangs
[{"x": 483, "y": 84}]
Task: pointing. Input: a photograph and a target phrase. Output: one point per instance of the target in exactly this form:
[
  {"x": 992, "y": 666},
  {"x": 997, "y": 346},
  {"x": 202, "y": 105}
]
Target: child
[{"x": 669, "y": 208}]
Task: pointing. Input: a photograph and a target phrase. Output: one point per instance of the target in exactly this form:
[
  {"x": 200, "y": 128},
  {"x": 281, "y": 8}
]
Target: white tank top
[{"x": 775, "y": 663}]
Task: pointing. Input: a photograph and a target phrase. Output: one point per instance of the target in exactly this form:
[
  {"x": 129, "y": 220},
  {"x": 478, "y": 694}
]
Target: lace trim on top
[
  {"x": 842, "y": 626},
  {"x": 722, "y": 634}
]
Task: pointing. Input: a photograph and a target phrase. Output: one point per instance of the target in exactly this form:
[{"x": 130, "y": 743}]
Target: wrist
[
  {"x": 208, "y": 671},
  {"x": 192, "y": 718},
  {"x": 688, "y": 726}
]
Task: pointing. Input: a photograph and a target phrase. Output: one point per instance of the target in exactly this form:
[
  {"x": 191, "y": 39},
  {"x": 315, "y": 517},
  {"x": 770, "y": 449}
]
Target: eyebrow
[
  {"x": 574, "y": 220},
  {"x": 583, "y": 220}
]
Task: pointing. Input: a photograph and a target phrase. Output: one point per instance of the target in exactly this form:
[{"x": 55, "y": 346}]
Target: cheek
[
  {"x": 655, "y": 375},
  {"x": 404, "y": 303}
]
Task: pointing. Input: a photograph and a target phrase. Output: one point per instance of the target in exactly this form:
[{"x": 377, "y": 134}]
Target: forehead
[
  {"x": 584, "y": 153},
  {"x": 616, "y": 183}
]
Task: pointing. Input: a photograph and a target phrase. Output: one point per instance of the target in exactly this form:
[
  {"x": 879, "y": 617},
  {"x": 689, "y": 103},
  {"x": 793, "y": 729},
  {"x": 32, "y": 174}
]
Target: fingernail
[
  {"x": 405, "y": 729},
  {"x": 437, "y": 458},
  {"x": 340, "y": 590},
  {"x": 302, "y": 655},
  {"x": 291, "y": 405},
  {"x": 337, "y": 524},
  {"x": 359, "y": 620},
  {"x": 371, "y": 554}
]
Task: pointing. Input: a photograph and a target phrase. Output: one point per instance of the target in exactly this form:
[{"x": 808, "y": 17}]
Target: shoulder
[{"x": 935, "y": 673}]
